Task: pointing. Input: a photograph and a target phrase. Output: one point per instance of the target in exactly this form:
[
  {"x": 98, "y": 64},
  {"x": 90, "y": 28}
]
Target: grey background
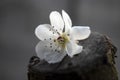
[{"x": 19, "y": 18}]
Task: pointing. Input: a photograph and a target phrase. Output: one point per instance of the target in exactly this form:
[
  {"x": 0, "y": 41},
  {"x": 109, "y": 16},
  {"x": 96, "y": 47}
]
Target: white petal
[
  {"x": 80, "y": 32},
  {"x": 56, "y": 21},
  {"x": 72, "y": 48},
  {"x": 67, "y": 20},
  {"x": 45, "y": 32},
  {"x": 50, "y": 54}
]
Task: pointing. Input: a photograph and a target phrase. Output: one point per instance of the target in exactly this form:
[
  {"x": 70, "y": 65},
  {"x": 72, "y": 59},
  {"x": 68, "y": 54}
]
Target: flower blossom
[{"x": 60, "y": 38}]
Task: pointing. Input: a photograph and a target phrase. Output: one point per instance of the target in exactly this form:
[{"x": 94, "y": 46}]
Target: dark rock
[{"x": 96, "y": 62}]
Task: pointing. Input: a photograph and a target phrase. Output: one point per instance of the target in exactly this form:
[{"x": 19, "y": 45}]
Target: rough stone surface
[{"x": 96, "y": 62}]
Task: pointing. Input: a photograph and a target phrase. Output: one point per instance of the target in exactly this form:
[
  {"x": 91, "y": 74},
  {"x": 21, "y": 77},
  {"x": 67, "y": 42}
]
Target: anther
[
  {"x": 54, "y": 40},
  {"x": 58, "y": 51},
  {"x": 50, "y": 46},
  {"x": 58, "y": 33},
  {"x": 55, "y": 50},
  {"x": 50, "y": 43},
  {"x": 68, "y": 34}
]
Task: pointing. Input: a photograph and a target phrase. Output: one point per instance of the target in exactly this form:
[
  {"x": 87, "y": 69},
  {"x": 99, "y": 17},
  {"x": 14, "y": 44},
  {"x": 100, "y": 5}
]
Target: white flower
[{"x": 59, "y": 38}]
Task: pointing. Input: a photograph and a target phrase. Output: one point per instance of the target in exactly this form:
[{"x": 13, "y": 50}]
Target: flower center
[{"x": 62, "y": 40}]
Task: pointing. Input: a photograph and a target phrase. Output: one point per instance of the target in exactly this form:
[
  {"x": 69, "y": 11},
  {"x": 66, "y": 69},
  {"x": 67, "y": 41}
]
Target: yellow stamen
[{"x": 62, "y": 40}]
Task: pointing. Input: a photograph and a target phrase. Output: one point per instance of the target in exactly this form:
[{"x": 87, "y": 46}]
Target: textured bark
[{"x": 96, "y": 62}]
